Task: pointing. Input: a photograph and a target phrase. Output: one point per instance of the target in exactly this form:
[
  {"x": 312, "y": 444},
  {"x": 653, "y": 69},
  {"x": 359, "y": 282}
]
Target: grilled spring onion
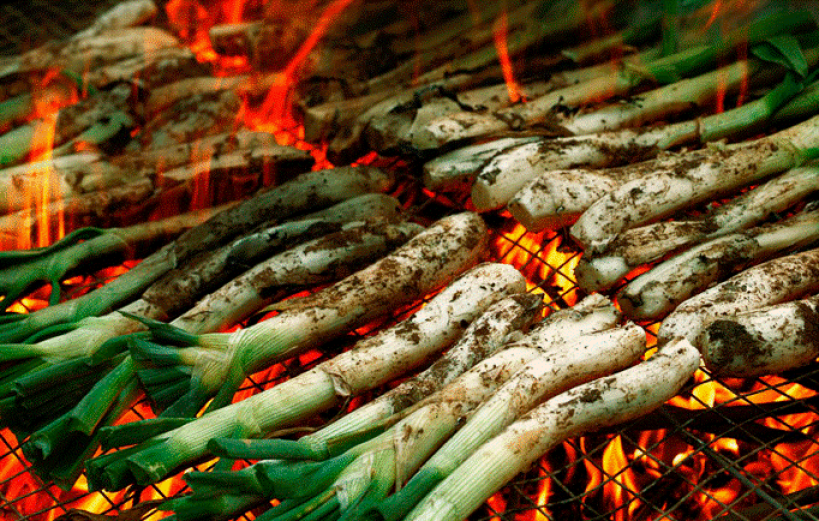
[
  {"x": 491, "y": 329},
  {"x": 20, "y": 270},
  {"x": 215, "y": 364},
  {"x": 668, "y": 190},
  {"x": 764, "y": 341},
  {"x": 307, "y": 191},
  {"x": 558, "y": 367},
  {"x": 598, "y": 404},
  {"x": 777, "y": 280},
  {"x": 658, "y": 291},
  {"x": 175, "y": 292},
  {"x": 544, "y": 111},
  {"x": 385, "y": 356},
  {"x": 358, "y": 468},
  {"x": 644, "y": 244},
  {"x": 522, "y": 175},
  {"x": 315, "y": 261},
  {"x": 591, "y": 314}
]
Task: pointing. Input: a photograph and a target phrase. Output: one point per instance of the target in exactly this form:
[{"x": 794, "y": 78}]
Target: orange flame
[{"x": 500, "y": 34}]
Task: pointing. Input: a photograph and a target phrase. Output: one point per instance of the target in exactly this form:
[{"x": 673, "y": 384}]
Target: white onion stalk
[
  {"x": 603, "y": 81},
  {"x": 125, "y": 14},
  {"x": 372, "y": 362},
  {"x": 107, "y": 46},
  {"x": 638, "y": 246},
  {"x": 556, "y": 198},
  {"x": 217, "y": 363},
  {"x": 667, "y": 100},
  {"x": 394, "y": 130},
  {"x": 491, "y": 329},
  {"x": 511, "y": 178},
  {"x": 598, "y": 404},
  {"x": 667, "y": 190},
  {"x": 558, "y": 367},
  {"x": 315, "y": 262},
  {"x": 457, "y": 168},
  {"x": 658, "y": 291},
  {"x": 149, "y": 71},
  {"x": 148, "y": 161},
  {"x": 772, "y": 282},
  {"x": 307, "y": 191},
  {"x": 764, "y": 341},
  {"x": 594, "y": 313}
]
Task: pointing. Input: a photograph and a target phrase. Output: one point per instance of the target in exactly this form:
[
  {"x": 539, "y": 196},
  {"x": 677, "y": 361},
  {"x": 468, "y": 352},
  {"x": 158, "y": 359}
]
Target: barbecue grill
[{"x": 724, "y": 448}]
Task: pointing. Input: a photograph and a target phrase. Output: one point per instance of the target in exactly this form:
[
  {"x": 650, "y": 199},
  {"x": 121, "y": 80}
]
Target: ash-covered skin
[
  {"x": 808, "y": 314},
  {"x": 733, "y": 341},
  {"x": 766, "y": 341},
  {"x": 192, "y": 118},
  {"x": 311, "y": 190},
  {"x": 693, "y": 178}
]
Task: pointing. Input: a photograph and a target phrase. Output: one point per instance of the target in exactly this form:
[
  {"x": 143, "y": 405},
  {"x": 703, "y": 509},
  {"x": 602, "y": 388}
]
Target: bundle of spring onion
[
  {"x": 600, "y": 403},
  {"x": 307, "y": 191},
  {"x": 546, "y": 112},
  {"x": 658, "y": 291},
  {"x": 75, "y": 432},
  {"x": 385, "y": 356},
  {"x": 649, "y": 243},
  {"x": 528, "y": 170},
  {"x": 681, "y": 184},
  {"x": 362, "y": 456},
  {"x": 217, "y": 363}
]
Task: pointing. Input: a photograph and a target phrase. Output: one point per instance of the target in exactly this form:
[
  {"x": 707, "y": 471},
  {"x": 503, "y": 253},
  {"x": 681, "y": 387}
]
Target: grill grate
[
  {"x": 673, "y": 461},
  {"x": 685, "y": 471}
]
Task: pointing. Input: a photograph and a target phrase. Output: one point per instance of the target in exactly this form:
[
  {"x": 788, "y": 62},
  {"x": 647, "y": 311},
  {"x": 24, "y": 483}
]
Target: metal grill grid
[{"x": 669, "y": 492}]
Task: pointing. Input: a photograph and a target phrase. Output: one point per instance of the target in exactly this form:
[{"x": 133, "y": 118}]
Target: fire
[
  {"x": 540, "y": 258},
  {"x": 500, "y": 34}
]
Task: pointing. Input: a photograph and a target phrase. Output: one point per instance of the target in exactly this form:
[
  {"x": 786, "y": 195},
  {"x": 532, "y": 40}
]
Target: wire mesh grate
[{"x": 725, "y": 448}]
